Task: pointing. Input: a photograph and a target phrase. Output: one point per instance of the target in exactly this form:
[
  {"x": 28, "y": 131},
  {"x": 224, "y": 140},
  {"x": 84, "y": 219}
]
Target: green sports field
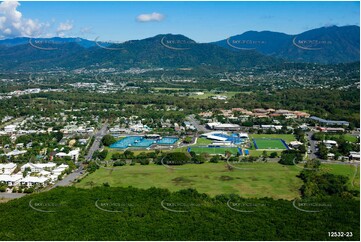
[
  {"x": 214, "y": 151},
  {"x": 271, "y": 144}
]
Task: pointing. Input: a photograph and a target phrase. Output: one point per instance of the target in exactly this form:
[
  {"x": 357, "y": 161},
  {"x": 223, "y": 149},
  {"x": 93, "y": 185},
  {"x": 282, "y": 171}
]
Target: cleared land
[
  {"x": 248, "y": 179},
  {"x": 251, "y": 180}
]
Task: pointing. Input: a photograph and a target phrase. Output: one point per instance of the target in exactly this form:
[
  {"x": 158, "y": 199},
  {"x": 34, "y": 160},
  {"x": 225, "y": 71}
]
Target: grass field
[
  {"x": 256, "y": 180},
  {"x": 203, "y": 141},
  {"x": 271, "y": 144},
  {"x": 348, "y": 137},
  {"x": 258, "y": 153},
  {"x": 212, "y": 151},
  {"x": 286, "y": 137},
  {"x": 344, "y": 170},
  {"x": 247, "y": 180}
]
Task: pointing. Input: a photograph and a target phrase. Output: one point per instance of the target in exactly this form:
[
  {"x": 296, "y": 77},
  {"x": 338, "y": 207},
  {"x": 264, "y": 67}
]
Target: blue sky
[{"x": 201, "y": 21}]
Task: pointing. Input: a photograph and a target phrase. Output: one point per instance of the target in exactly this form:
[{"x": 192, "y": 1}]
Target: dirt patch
[
  {"x": 226, "y": 178},
  {"x": 181, "y": 180}
]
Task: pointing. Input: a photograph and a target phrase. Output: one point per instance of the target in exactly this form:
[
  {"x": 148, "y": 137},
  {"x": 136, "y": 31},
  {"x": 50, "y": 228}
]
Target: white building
[
  {"x": 30, "y": 181},
  {"x": 39, "y": 167},
  {"x": 73, "y": 154},
  {"x": 220, "y": 126},
  {"x": 11, "y": 180},
  {"x": 16, "y": 152},
  {"x": 355, "y": 156},
  {"x": 7, "y": 169},
  {"x": 10, "y": 128},
  {"x": 60, "y": 169}
]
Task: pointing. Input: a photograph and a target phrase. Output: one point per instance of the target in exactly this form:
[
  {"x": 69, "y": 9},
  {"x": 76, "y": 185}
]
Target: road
[
  {"x": 96, "y": 144},
  {"x": 196, "y": 124},
  {"x": 69, "y": 179},
  {"x": 11, "y": 195},
  {"x": 312, "y": 145}
]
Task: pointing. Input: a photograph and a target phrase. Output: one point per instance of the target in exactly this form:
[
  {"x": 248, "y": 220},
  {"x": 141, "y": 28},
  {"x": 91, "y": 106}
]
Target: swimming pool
[{"x": 141, "y": 142}]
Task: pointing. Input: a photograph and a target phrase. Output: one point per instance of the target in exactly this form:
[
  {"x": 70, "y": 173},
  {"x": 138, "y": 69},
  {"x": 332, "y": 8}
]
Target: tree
[
  {"x": 215, "y": 159},
  {"x": 108, "y": 140},
  {"x": 290, "y": 157},
  {"x": 128, "y": 154},
  {"x": 273, "y": 155}
]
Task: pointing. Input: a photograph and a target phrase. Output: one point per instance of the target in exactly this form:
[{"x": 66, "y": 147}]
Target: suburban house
[
  {"x": 7, "y": 169},
  {"x": 30, "y": 181},
  {"x": 39, "y": 167},
  {"x": 11, "y": 180}
]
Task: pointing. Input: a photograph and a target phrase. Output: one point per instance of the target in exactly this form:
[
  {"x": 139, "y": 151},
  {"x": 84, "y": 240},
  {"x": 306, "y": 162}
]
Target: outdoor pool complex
[{"x": 141, "y": 142}]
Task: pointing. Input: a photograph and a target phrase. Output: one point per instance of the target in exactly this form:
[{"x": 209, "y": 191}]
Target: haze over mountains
[{"x": 327, "y": 45}]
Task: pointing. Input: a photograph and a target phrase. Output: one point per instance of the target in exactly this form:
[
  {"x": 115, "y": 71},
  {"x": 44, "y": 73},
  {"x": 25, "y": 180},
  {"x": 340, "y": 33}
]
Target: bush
[
  {"x": 29, "y": 190},
  {"x": 215, "y": 159},
  {"x": 144, "y": 162},
  {"x": 119, "y": 163},
  {"x": 273, "y": 155}
]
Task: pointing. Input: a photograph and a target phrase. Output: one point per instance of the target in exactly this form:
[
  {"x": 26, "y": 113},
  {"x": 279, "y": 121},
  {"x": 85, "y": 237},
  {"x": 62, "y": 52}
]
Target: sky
[{"x": 200, "y": 21}]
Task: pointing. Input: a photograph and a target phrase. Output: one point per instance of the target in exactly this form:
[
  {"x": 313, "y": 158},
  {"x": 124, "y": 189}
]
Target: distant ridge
[{"x": 326, "y": 45}]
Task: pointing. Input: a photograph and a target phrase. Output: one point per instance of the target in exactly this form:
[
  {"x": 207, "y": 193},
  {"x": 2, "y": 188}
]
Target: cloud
[
  {"x": 64, "y": 27},
  {"x": 149, "y": 17},
  {"x": 12, "y": 23}
]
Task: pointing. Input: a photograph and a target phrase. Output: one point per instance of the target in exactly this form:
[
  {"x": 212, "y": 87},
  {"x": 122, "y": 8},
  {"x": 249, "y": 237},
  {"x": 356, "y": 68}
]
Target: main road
[
  {"x": 196, "y": 124},
  {"x": 66, "y": 181},
  {"x": 96, "y": 144},
  {"x": 312, "y": 145}
]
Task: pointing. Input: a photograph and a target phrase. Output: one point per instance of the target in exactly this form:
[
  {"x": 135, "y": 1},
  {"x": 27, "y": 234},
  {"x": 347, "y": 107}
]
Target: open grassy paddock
[{"x": 250, "y": 180}]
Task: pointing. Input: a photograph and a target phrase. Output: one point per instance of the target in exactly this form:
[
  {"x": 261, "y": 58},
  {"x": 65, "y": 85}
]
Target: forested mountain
[
  {"x": 175, "y": 51},
  {"x": 324, "y": 45},
  {"x": 327, "y": 45}
]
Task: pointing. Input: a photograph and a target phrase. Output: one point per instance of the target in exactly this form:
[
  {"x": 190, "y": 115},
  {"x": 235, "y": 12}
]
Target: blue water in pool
[{"x": 141, "y": 142}]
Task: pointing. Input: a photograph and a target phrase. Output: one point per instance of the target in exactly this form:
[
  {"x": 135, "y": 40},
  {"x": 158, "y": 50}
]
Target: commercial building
[
  {"x": 330, "y": 122},
  {"x": 220, "y": 126}
]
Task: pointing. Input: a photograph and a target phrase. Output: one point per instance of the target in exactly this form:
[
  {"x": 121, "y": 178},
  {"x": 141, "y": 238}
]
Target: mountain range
[{"x": 327, "y": 45}]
